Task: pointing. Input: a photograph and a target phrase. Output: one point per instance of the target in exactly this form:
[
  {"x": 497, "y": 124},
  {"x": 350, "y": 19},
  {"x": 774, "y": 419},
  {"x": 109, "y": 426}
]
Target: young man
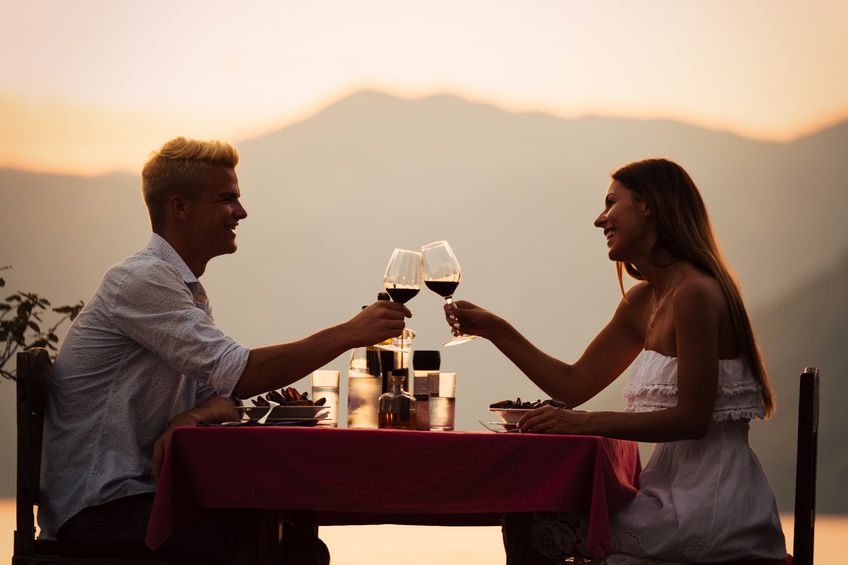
[{"x": 145, "y": 357}]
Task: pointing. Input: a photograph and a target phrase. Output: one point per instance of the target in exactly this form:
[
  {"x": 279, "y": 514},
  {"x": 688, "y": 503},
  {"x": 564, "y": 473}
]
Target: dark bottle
[
  {"x": 424, "y": 362},
  {"x": 387, "y": 364}
]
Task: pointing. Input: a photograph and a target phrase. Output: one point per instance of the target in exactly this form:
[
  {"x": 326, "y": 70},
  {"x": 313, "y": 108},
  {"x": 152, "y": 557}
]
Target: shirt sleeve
[{"x": 152, "y": 305}]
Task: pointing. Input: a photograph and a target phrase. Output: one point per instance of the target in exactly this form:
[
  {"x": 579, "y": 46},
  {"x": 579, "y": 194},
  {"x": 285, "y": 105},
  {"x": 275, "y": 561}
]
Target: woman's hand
[
  {"x": 467, "y": 318},
  {"x": 551, "y": 420}
]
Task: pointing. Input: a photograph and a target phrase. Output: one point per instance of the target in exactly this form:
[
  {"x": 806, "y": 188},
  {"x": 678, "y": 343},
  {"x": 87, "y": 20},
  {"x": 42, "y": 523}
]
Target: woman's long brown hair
[{"x": 684, "y": 230}]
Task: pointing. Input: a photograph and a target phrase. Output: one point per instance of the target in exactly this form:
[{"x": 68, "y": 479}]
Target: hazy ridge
[{"x": 516, "y": 194}]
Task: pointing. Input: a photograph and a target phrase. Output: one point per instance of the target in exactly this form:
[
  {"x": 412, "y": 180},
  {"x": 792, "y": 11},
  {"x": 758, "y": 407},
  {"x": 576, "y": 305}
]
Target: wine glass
[
  {"x": 402, "y": 281},
  {"x": 441, "y": 275}
]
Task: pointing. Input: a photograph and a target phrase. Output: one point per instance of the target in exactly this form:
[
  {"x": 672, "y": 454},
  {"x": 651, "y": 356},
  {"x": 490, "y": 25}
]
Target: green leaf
[{"x": 21, "y": 316}]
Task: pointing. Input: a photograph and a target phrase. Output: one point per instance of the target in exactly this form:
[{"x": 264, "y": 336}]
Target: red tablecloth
[{"x": 393, "y": 477}]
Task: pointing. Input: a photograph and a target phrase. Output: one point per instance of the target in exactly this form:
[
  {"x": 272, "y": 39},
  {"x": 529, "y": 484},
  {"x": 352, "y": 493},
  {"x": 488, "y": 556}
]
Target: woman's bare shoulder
[
  {"x": 700, "y": 290},
  {"x": 635, "y": 305},
  {"x": 639, "y": 294}
]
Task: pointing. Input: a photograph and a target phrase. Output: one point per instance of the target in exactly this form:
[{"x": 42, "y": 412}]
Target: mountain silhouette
[{"x": 329, "y": 197}]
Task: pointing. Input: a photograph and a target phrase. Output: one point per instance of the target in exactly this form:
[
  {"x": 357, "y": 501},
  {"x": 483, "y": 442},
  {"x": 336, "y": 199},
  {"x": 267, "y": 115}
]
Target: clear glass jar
[{"x": 397, "y": 407}]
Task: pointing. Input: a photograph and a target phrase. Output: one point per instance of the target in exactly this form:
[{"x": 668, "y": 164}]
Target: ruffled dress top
[{"x": 704, "y": 500}]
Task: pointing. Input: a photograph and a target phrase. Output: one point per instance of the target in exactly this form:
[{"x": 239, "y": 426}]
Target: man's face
[{"x": 215, "y": 213}]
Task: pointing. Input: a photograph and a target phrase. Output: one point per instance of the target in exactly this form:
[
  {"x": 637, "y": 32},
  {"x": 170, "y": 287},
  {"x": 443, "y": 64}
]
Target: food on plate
[
  {"x": 287, "y": 397},
  {"x": 517, "y": 404}
]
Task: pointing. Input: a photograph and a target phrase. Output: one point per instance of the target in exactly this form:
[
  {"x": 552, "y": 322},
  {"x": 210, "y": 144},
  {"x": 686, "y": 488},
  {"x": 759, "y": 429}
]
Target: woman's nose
[{"x": 600, "y": 220}]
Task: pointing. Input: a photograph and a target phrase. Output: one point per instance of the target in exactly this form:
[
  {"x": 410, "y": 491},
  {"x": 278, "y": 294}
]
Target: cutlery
[{"x": 271, "y": 406}]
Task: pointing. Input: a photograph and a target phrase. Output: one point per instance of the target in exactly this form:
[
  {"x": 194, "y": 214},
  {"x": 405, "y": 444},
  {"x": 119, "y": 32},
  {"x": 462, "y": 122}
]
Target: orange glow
[
  {"x": 88, "y": 91},
  {"x": 58, "y": 136}
]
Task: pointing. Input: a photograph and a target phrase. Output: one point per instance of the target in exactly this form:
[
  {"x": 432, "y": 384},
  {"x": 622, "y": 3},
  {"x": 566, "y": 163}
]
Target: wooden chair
[
  {"x": 33, "y": 376},
  {"x": 805, "y": 467}
]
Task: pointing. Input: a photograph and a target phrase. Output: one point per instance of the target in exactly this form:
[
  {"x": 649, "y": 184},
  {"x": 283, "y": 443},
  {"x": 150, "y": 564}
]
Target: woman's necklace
[{"x": 666, "y": 291}]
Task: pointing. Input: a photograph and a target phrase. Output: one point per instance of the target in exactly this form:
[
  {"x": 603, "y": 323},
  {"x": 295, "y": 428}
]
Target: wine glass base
[{"x": 459, "y": 339}]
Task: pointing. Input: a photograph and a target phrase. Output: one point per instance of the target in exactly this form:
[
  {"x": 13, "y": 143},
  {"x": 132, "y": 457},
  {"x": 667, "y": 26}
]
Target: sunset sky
[{"x": 91, "y": 86}]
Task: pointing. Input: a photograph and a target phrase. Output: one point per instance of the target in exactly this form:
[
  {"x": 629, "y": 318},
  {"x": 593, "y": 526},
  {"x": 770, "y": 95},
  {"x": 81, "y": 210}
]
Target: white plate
[
  {"x": 502, "y": 424},
  {"x": 505, "y": 425},
  {"x": 510, "y": 415},
  {"x": 283, "y": 422},
  {"x": 499, "y": 427},
  {"x": 285, "y": 412}
]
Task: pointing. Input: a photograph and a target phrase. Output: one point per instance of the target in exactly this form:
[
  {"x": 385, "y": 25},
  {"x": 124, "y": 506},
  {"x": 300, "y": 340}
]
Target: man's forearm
[
  {"x": 213, "y": 410},
  {"x": 277, "y": 366}
]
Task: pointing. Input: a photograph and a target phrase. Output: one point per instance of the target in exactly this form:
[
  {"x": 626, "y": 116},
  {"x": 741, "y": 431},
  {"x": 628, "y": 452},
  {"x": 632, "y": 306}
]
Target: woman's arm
[
  {"x": 697, "y": 311},
  {"x": 606, "y": 357}
]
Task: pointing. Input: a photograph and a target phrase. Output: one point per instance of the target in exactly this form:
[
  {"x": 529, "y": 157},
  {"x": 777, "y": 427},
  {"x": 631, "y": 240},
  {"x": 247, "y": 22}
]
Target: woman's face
[{"x": 626, "y": 224}]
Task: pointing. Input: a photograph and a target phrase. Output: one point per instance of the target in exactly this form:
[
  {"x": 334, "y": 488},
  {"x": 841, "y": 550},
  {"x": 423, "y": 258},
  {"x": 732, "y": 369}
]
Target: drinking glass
[
  {"x": 402, "y": 281},
  {"x": 441, "y": 275},
  {"x": 442, "y": 405},
  {"x": 325, "y": 384}
]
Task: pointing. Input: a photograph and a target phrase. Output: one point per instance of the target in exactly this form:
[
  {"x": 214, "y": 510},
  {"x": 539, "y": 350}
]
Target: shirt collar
[{"x": 160, "y": 246}]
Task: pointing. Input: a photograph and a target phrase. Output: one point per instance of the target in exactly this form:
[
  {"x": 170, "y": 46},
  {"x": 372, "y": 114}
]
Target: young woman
[{"x": 697, "y": 379}]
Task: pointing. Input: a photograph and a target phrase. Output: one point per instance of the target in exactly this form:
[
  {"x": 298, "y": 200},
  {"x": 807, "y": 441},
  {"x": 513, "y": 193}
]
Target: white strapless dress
[{"x": 700, "y": 501}]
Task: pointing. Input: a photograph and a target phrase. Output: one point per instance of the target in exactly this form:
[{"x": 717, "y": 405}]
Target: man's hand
[
  {"x": 213, "y": 410},
  {"x": 378, "y": 322}
]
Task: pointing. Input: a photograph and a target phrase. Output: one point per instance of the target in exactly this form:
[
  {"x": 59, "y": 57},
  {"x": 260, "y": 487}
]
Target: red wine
[
  {"x": 442, "y": 288},
  {"x": 402, "y": 295}
]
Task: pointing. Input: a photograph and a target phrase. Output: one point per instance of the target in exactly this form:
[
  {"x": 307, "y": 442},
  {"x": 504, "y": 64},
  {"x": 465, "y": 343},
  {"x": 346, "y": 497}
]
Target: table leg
[{"x": 298, "y": 539}]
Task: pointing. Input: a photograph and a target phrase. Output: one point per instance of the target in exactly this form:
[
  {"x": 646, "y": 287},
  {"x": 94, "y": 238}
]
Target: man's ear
[{"x": 178, "y": 206}]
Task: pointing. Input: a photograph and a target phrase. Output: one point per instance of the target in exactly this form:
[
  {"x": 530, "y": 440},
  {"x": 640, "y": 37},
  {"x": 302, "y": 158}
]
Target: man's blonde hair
[{"x": 180, "y": 167}]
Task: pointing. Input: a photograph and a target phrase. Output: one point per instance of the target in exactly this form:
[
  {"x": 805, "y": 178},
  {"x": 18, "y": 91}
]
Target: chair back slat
[
  {"x": 805, "y": 474},
  {"x": 33, "y": 377}
]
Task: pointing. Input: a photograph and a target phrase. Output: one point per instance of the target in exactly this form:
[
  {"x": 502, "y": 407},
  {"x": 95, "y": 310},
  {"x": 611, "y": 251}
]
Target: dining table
[{"x": 340, "y": 476}]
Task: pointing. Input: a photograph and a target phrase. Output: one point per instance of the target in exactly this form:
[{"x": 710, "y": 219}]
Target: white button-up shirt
[{"x": 142, "y": 351}]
